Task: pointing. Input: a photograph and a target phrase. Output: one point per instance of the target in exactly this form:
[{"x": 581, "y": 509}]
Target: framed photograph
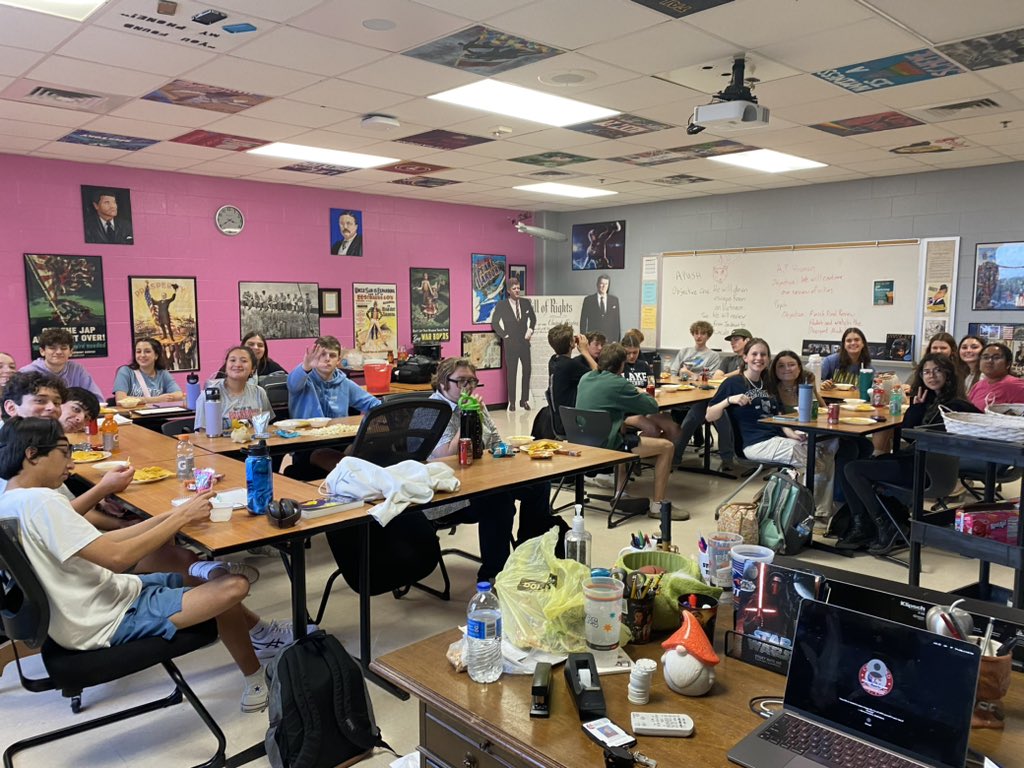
[
  {"x": 330, "y": 302},
  {"x": 483, "y": 348},
  {"x": 67, "y": 292},
  {"x": 518, "y": 271},
  {"x": 375, "y": 318},
  {"x": 601, "y": 245},
  {"x": 430, "y": 306},
  {"x": 346, "y": 232},
  {"x": 279, "y": 310},
  {"x": 166, "y": 309},
  {"x": 998, "y": 276},
  {"x": 107, "y": 215},
  {"x": 899, "y": 346},
  {"x": 488, "y": 272}
]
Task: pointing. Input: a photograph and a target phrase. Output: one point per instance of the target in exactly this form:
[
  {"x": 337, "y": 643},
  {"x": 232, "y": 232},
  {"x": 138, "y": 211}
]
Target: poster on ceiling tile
[
  {"x": 67, "y": 292},
  {"x": 346, "y": 232},
  {"x": 430, "y": 307},
  {"x": 488, "y": 273},
  {"x": 599, "y": 245},
  {"x": 679, "y": 8},
  {"x": 989, "y": 51},
  {"x": 890, "y": 71},
  {"x": 854, "y": 126},
  {"x": 107, "y": 215},
  {"x": 166, "y": 309},
  {"x": 216, "y": 98},
  {"x": 375, "y": 317},
  {"x": 483, "y": 51}
]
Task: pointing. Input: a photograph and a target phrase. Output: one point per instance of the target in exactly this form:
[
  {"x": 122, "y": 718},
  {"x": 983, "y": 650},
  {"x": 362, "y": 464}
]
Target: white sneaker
[
  {"x": 275, "y": 636},
  {"x": 603, "y": 481},
  {"x": 255, "y": 697}
]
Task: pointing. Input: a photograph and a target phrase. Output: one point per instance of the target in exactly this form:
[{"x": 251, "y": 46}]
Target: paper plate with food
[
  {"x": 89, "y": 457},
  {"x": 292, "y": 424},
  {"x": 110, "y": 466},
  {"x": 859, "y": 421},
  {"x": 151, "y": 475},
  {"x": 843, "y": 387},
  {"x": 518, "y": 441},
  {"x": 854, "y": 400},
  {"x": 539, "y": 446},
  {"x": 859, "y": 407}
]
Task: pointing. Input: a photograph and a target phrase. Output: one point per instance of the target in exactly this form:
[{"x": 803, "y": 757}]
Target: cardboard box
[{"x": 998, "y": 525}]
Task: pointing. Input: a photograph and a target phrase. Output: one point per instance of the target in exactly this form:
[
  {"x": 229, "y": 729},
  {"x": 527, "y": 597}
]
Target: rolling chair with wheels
[
  {"x": 175, "y": 427},
  {"x": 591, "y": 428},
  {"x": 25, "y": 612}
]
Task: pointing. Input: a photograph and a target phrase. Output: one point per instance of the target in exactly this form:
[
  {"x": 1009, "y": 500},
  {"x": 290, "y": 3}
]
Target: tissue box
[{"x": 996, "y": 524}]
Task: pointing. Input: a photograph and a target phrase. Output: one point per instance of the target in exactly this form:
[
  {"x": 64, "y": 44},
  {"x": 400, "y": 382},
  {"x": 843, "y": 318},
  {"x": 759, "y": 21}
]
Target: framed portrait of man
[
  {"x": 107, "y": 215},
  {"x": 346, "y": 232}
]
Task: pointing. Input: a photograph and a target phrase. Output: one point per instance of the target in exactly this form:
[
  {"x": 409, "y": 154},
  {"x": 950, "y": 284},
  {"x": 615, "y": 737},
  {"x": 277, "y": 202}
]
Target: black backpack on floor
[{"x": 320, "y": 711}]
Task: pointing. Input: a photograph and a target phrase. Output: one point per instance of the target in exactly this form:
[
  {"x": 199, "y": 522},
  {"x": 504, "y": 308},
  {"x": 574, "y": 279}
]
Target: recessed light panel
[
  {"x": 564, "y": 190},
  {"x": 320, "y": 155},
  {"x": 768, "y": 161},
  {"x": 524, "y": 103}
]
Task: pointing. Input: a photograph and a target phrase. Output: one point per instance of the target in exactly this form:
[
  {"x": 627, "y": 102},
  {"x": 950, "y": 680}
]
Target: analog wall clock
[{"x": 229, "y": 220}]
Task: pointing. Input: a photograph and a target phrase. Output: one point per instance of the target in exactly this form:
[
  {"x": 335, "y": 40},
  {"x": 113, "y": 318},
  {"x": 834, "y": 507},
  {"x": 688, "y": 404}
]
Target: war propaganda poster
[
  {"x": 67, "y": 292},
  {"x": 430, "y": 290},
  {"x": 280, "y": 310},
  {"x": 375, "y": 315},
  {"x": 166, "y": 309}
]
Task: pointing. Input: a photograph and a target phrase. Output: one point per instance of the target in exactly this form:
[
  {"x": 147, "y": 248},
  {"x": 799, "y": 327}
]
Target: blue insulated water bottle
[
  {"x": 259, "y": 479},
  {"x": 191, "y": 391},
  {"x": 803, "y": 407}
]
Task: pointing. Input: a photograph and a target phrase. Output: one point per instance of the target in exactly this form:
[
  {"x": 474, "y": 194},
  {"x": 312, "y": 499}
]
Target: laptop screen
[{"x": 907, "y": 689}]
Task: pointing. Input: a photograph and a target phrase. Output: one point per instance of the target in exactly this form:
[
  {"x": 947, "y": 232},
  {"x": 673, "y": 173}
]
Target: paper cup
[
  {"x": 745, "y": 558},
  {"x": 719, "y": 545},
  {"x": 220, "y": 513},
  {"x": 602, "y": 606}
]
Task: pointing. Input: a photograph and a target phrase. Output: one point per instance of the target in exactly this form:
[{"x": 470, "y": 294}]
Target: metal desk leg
[
  {"x": 297, "y": 552},
  {"x": 581, "y": 495},
  {"x": 916, "y": 516},
  {"x": 365, "y": 643},
  {"x": 812, "y": 449}
]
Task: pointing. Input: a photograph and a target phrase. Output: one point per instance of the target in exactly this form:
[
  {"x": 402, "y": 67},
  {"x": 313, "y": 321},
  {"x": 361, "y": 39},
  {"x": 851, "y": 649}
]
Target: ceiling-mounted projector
[
  {"x": 543, "y": 234},
  {"x": 735, "y": 108}
]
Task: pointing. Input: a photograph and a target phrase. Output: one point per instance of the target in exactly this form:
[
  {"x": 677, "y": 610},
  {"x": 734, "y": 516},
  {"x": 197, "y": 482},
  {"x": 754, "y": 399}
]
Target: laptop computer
[{"x": 866, "y": 691}]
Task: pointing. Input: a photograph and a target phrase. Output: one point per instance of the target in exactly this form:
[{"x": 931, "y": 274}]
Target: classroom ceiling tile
[
  {"x": 661, "y": 48},
  {"x": 36, "y": 31},
  {"x": 411, "y": 76},
  {"x": 560, "y": 22},
  {"x": 154, "y": 111},
  {"x": 31, "y": 130},
  {"x": 412, "y": 23},
  {"x": 16, "y": 61},
  {"x": 116, "y": 49},
  {"x": 252, "y": 77},
  {"x": 755, "y": 23},
  {"x": 275, "y": 10},
  {"x": 21, "y": 144},
  {"x": 298, "y": 49},
  {"x": 87, "y": 75},
  {"x": 944, "y": 20},
  {"x": 126, "y": 127},
  {"x": 298, "y": 113},
  {"x": 342, "y": 94},
  {"x": 861, "y": 41},
  {"x": 243, "y": 125}
]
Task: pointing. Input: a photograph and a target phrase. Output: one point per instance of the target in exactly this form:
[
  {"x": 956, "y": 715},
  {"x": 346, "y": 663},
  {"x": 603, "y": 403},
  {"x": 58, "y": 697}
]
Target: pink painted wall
[{"x": 285, "y": 239}]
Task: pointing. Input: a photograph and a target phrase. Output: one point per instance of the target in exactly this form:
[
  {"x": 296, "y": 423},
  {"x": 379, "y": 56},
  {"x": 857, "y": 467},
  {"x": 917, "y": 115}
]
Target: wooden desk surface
[
  {"x": 143, "y": 446},
  {"x": 500, "y": 711},
  {"x": 683, "y": 397},
  {"x": 224, "y": 444},
  {"x": 823, "y": 427}
]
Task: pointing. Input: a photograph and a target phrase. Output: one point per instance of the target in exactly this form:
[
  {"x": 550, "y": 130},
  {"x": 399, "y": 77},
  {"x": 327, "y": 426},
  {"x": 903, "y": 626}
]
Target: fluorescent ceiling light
[
  {"x": 76, "y": 10},
  {"x": 320, "y": 155},
  {"x": 526, "y": 104},
  {"x": 565, "y": 190},
  {"x": 767, "y": 160}
]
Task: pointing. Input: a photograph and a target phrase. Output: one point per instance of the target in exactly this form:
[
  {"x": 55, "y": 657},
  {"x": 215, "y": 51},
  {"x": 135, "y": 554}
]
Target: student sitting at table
[
  {"x": 933, "y": 384},
  {"x": 844, "y": 366},
  {"x": 317, "y": 387},
  {"x": 55, "y": 348},
  {"x": 265, "y": 366},
  {"x": 239, "y": 397},
  {"x": 944, "y": 344},
  {"x": 146, "y": 377},
  {"x": 751, "y": 401},
  {"x": 997, "y": 384},
  {"x": 690, "y": 361},
  {"x": 970, "y": 353},
  {"x": 495, "y": 512},
  {"x": 566, "y": 371},
  {"x": 7, "y": 368},
  {"x": 656, "y": 424},
  {"x": 733, "y": 365},
  {"x": 93, "y": 602},
  {"x": 78, "y": 408},
  {"x": 606, "y": 390},
  {"x": 785, "y": 375}
]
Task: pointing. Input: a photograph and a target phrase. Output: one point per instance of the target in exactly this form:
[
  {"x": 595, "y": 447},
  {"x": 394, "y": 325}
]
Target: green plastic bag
[{"x": 542, "y": 597}]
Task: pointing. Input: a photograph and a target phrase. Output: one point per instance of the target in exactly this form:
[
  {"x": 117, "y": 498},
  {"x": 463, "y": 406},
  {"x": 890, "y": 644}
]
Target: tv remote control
[{"x": 661, "y": 724}]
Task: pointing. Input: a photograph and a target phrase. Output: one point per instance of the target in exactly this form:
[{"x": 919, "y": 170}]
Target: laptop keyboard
[{"x": 828, "y": 747}]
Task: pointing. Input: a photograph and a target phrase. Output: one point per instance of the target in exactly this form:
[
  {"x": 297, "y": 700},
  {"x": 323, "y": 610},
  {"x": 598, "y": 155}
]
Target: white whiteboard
[{"x": 786, "y": 295}]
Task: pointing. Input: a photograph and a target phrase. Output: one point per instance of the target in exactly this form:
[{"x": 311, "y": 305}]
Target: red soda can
[
  {"x": 833, "y": 413},
  {"x": 650, "y": 386},
  {"x": 465, "y": 451}
]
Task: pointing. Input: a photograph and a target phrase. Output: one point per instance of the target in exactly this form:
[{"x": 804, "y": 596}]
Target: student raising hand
[{"x": 310, "y": 358}]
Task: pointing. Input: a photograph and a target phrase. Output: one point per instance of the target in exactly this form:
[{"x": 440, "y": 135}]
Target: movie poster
[
  {"x": 488, "y": 285},
  {"x": 375, "y": 316},
  {"x": 166, "y": 309},
  {"x": 67, "y": 292},
  {"x": 430, "y": 305},
  {"x": 600, "y": 245}
]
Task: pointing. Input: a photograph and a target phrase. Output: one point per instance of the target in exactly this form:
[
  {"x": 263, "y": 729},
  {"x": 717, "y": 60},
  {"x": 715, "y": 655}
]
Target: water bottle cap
[
  {"x": 260, "y": 449},
  {"x": 483, "y": 586}
]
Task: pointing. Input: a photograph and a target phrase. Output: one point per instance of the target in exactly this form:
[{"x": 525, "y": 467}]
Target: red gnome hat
[{"x": 692, "y": 637}]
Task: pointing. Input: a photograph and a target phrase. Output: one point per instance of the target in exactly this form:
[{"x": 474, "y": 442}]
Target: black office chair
[
  {"x": 1004, "y": 476},
  {"x": 757, "y": 465},
  {"x": 407, "y": 550},
  {"x": 941, "y": 473},
  {"x": 175, "y": 427},
  {"x": 25, "y": 612},
  {"x": 592, "y": 428},
  {"x": 404, "y": 397},
  {"x": 276, "y": 387}
]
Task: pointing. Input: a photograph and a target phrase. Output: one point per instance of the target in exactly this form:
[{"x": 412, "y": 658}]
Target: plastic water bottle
[
  {"x": 259, "y": 479},
  {"x": 185, "y": 459},
  {"x": 483, "y": 635},
  {"x": 578, "y": 541}
]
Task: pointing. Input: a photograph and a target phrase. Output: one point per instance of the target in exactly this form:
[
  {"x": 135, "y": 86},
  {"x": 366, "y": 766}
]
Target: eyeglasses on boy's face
[
  {"x": 470, "y": 382},
  {"x": 991, "y": 358}
]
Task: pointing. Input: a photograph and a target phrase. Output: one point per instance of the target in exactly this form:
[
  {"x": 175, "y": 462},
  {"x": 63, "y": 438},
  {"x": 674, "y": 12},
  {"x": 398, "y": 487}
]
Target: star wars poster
[
  {"x": 67, "y": 292},
  {"x": 375, "y": 315},
  {"x": 430, "y": 290},
  {"x": 166, "y": 309}
]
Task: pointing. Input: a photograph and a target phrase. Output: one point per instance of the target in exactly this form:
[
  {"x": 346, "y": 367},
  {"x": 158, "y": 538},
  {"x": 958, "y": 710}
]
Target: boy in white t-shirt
[{"x": 93, "y": 602}]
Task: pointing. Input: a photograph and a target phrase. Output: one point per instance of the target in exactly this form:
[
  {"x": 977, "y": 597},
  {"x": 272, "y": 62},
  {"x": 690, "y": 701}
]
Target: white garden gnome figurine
[{"x": 689, "y": 660}]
